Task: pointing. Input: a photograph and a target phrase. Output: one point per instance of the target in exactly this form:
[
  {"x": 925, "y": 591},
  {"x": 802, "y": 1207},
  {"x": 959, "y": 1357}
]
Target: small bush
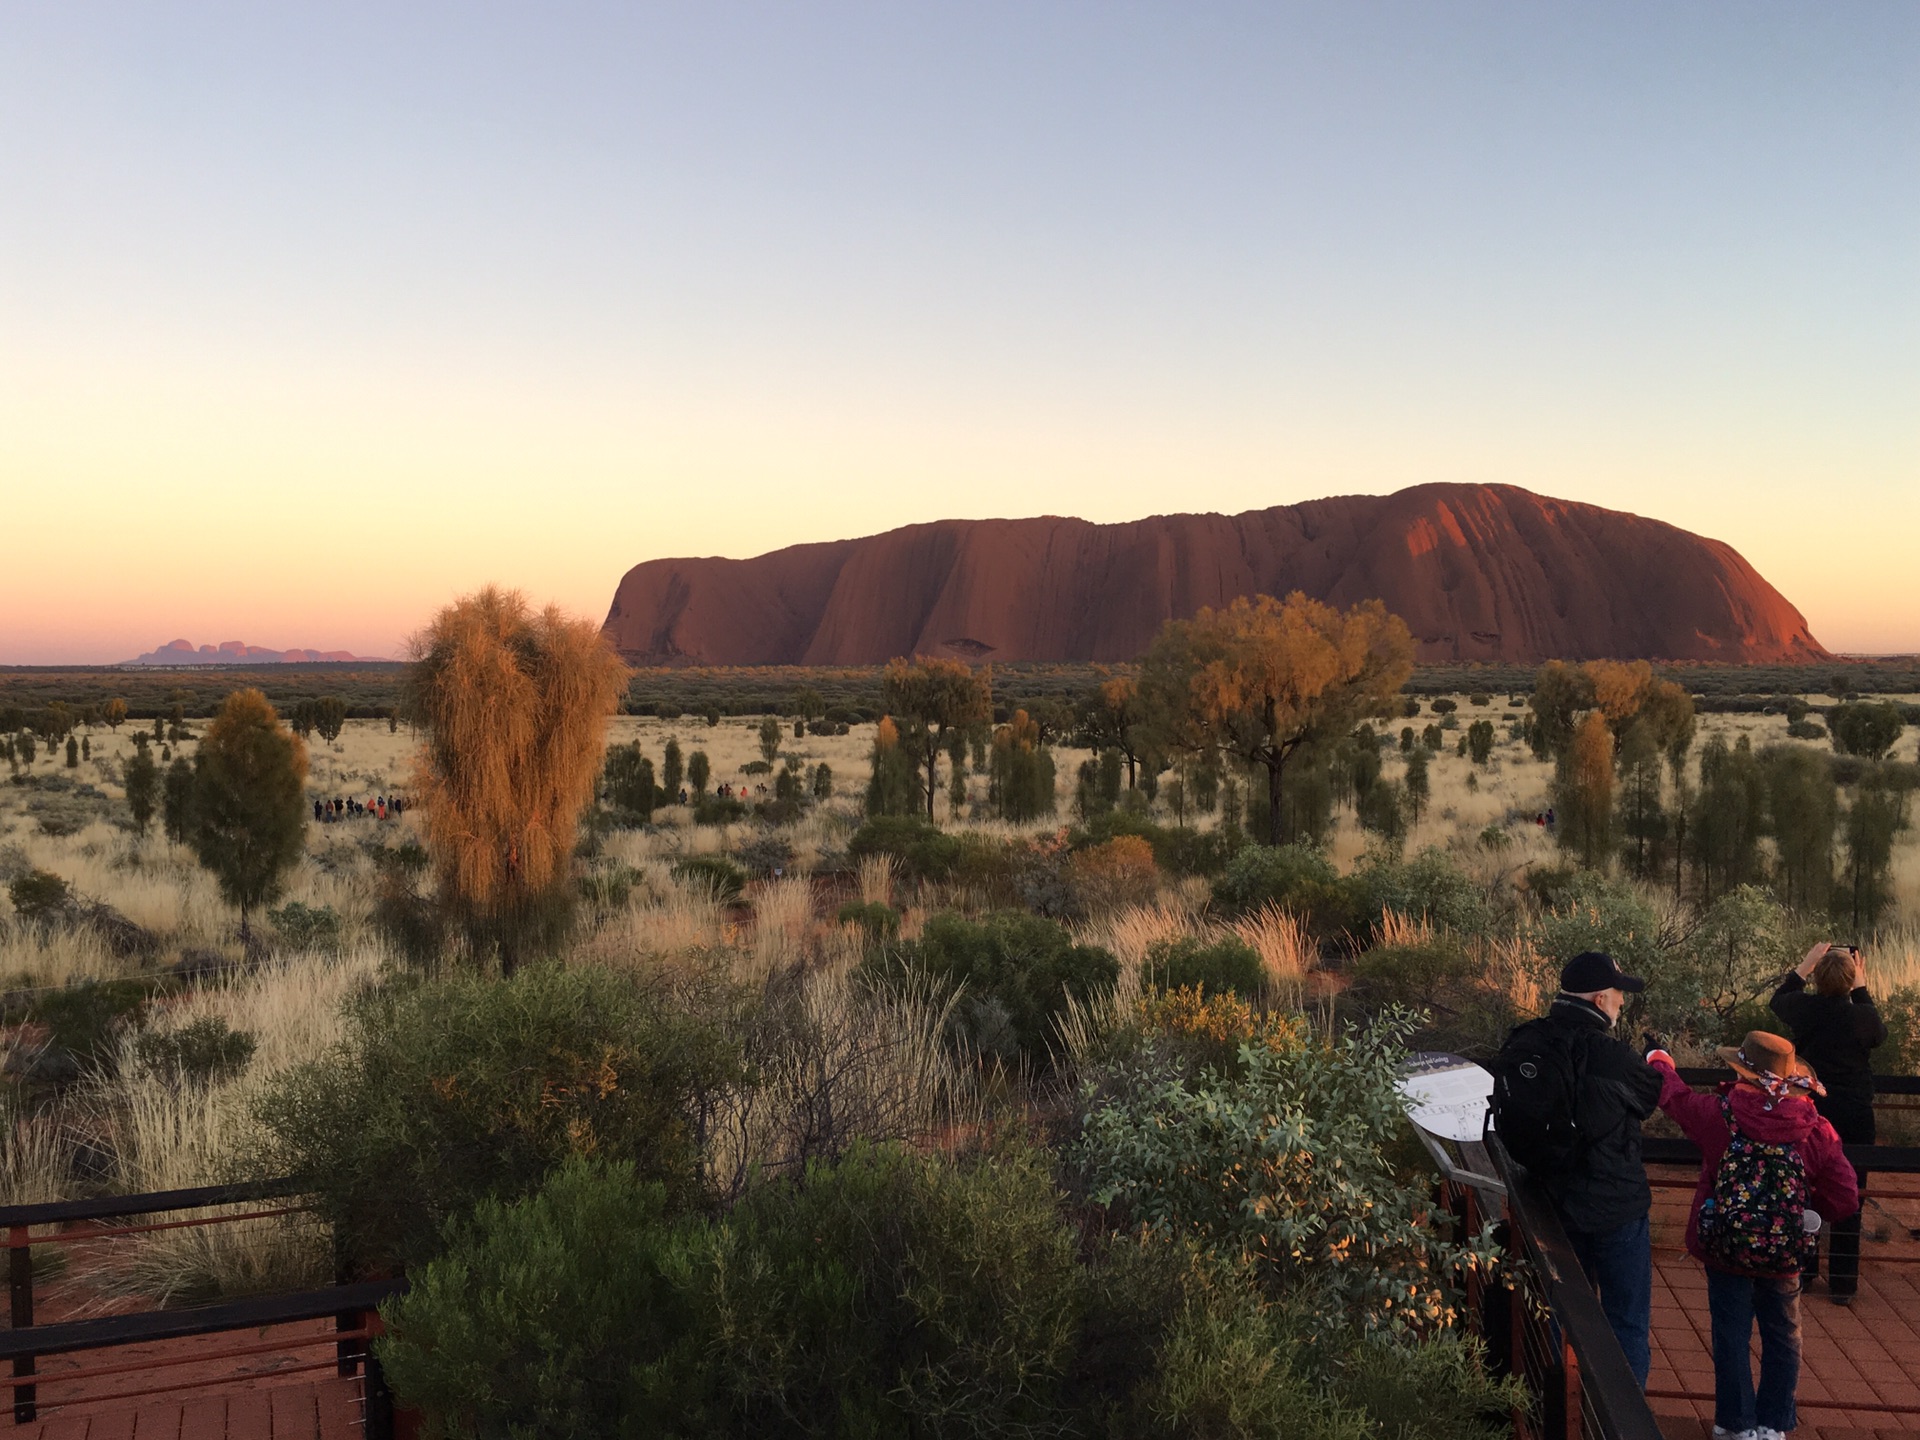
[
  {"x": 203, "y": 1050},
  {"x": 40, "y": 896},
  {"x": 1224, "y": 965},
  {"x": 881, "y": 922},
  {"x": 1014, "y": 974},
  {"x": 307, "y": 927},
  {"x": 924, "y": 853},
  {"x": 449, "y": 1092},
  {"x": 1297, "y": 878},
  {"x": 716, "y": 871},
  {"x": 886, "y": 1294},
  {"x": 1107, "y": 876},
  {"x": 1191, "y": 1030},
  {"x": 718, "y": 810},
  {"x": 1429, "y": 885},
  {"x": 765, "y": 856},
  {"x": 86, "y": 1019},
  {"x": 1413, "y": 974},
  {"x": 1901, "y": 1053},
  {"x": 608, "y": 886},
  {"x": 1290, "y": 1163},
  {"x": 480, "y": 1345}
]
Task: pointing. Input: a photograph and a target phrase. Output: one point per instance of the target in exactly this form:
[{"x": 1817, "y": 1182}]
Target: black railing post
[
  {"x": 378, "y": 1411},
  {"x": 20, "y": 1296}
]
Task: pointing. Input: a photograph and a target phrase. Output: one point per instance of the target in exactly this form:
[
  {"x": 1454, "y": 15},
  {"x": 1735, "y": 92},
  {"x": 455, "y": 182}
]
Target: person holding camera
[{"x": 1836, "y": 1028}]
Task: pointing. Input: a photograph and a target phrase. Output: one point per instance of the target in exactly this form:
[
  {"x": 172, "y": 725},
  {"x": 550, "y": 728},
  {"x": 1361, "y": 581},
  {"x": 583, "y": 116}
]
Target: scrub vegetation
[{"x": 945, "y": 1054}]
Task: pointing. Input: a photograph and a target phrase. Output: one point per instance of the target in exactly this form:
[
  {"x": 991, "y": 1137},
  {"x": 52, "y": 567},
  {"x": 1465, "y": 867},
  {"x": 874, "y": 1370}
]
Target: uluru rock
[{"x": 1479, "y": 573}]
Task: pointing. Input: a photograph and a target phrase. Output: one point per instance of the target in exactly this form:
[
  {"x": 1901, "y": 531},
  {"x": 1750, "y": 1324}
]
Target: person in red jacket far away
[{"x": 1770, "y": 1168}]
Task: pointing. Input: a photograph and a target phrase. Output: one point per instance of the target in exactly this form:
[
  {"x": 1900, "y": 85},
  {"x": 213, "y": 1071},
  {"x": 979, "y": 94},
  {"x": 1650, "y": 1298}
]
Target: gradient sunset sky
[{"x": 314, "y": 317}]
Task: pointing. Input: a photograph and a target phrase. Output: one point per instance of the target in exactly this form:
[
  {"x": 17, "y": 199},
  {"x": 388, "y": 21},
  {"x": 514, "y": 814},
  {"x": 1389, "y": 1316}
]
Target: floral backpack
[{"x": 1751, "y": 1221}]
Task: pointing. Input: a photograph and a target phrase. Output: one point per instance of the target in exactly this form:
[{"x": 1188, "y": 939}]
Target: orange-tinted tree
[
  {"x": 514, "y": 706},
  {"x": 1583, "y": 791},
  {"x": 1262, "y": 677}
]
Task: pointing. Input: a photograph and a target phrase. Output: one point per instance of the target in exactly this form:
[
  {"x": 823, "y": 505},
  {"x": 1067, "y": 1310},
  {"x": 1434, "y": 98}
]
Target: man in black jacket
[{"x": 1603, "y": 1197}]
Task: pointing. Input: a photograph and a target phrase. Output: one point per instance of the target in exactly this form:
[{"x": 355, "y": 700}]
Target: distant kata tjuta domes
[
  {"x": 237, "y": 652},
  {"x": 1479, "y": 572}
]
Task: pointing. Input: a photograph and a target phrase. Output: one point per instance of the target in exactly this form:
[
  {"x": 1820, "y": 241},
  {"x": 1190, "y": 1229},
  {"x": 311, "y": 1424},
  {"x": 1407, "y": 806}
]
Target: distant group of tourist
[
  {"x": 1544, "y": 818},
  {"x": 1568, "y": 1102},
  {"x": 380, "y": 807}
]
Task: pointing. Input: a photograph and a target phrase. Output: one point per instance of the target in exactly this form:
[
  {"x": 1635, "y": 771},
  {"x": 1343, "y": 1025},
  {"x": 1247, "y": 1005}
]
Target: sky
[{"x": 315, "y": 317}]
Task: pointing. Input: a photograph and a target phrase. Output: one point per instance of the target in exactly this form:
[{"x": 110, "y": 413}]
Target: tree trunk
[{"x": 1274, "y": 765}]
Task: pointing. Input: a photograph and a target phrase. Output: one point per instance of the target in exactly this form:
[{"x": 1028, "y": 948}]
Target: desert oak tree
[
  {"x": 1262, "y": 677},
  {"x": 514, "y": 704},
  {"x": 249, "y": 820},
  {"x": 931, "y": 697}
]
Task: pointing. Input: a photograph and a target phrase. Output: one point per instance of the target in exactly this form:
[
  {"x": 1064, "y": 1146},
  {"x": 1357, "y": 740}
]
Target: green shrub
[
  {"x": 1176, "y": 850},
  {"x": 553, "y": 1314},
  {"x": 448, "y": 1092},
  {"x": 896, "y": 1294},
  {"x": 1900, "y": 1055},
  {"x": 608, "y": 885},
  {"x": 887, "y": 1294},
  {"x": 86, "y": 1018},
  {"x": 307, "y": 927},
  {"x": 716, "y": 871},
  {"x": 923, "y": 852},
  {"x": 1214, "y": 966},
  {"x": 718, "y": 810},
  {"x": 40, "y": 896},
  {"x": 1289, "y": 1163},
  {"x": 202, "y": 1050},
  {"x": 881, "y": 922},
  {"x": 1414, "y": 974},
  {"x": 890, "y": 1293},
  {"x": 1429, "y": 885},
  {"x": 1014, "y": 975},
  {"x": 1298, "y": 878}
]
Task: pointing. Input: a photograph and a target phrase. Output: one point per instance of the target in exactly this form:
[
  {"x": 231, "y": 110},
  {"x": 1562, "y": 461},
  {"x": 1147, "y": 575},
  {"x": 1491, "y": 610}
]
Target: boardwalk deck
[{"x": 1860, "y": 1374}]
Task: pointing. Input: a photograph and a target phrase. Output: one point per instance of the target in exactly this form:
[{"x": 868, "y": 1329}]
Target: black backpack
[{"x": 1537, "y": 1077}]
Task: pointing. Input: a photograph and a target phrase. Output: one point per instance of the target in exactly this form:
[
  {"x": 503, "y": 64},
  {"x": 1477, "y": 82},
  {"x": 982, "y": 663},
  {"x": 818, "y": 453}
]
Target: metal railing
[
  {"x": 352, "y": 1307},
  {"x": 1546, "y": 1326}
]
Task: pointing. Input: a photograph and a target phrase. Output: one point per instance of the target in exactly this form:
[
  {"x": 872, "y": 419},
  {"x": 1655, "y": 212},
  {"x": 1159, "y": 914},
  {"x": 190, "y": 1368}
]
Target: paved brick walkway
[{"x": 1867, "y": 1353}]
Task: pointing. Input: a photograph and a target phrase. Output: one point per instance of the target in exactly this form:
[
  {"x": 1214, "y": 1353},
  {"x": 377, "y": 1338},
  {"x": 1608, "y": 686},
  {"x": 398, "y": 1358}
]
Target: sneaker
[
  {"x": 1767, "y": 1432},
  {"x": 1838, "y": 1300},
  {"x": 1720, "y": 1432}
]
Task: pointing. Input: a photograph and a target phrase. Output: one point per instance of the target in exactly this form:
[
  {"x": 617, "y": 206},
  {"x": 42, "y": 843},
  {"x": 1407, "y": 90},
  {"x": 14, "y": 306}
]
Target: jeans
[
  {"x": 1736, "y": 1301},
  {"x": 1620, "y": 1265}
]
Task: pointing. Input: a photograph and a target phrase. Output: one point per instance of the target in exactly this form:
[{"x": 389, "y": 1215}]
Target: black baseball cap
[{"x": 1593, "y": 970}]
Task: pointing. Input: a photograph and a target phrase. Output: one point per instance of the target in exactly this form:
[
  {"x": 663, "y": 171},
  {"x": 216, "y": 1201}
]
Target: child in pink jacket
[{"x": 1766, "y": 1156}]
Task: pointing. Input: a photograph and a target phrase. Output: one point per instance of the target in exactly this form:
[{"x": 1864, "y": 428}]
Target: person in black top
[
  {"x": 1604, "y": 1199},
  {"x": 1836, "y": 1029}
]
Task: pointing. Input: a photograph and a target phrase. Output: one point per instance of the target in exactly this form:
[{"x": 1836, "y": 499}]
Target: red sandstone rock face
[{"x": 1479, "y": 572}]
